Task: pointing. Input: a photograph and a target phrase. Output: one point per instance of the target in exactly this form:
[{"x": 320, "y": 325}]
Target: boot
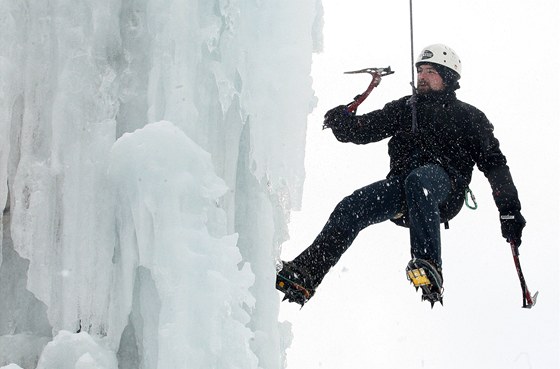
[
  {"x": 426, "y": 275},
  {"x": 295, "y": 282}
]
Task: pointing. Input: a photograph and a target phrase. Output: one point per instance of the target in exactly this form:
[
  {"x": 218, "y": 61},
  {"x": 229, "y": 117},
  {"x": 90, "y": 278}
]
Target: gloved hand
[
  {"x": 336, "y": 116},
  {"x": 512, "y": 226}
]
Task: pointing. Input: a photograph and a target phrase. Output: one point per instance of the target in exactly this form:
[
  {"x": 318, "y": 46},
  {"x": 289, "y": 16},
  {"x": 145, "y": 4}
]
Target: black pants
[{"x": 420, "y": 193}]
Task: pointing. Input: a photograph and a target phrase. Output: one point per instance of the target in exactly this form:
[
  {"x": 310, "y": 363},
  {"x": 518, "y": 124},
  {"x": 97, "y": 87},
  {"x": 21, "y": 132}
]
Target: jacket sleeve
[
  {"x": 493, "y": 163},
  {"x": 371, "y": 127}
]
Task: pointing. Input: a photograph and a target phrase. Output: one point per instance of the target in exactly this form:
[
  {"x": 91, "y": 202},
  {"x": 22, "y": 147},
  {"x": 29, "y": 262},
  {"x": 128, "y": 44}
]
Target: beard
[{"x": 424, "y": 88}]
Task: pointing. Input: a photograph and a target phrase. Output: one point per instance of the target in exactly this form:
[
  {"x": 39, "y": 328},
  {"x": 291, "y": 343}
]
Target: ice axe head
[
  {"x": 373, "y": 71},
  {"x": 376, "y": 74}
]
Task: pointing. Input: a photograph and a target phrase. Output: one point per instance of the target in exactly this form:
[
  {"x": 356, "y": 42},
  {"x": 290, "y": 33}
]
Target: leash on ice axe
[
  {"x": 528, "y": 300},
  {"x": 376, "y": 74}
]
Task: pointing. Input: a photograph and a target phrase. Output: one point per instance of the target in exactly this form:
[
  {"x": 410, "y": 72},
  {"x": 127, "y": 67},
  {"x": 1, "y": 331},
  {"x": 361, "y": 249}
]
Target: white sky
[{"x": 365, "y": 315}]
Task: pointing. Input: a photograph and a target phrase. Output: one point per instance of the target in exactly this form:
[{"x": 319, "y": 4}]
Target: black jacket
[{"x": 449, "y": 132}]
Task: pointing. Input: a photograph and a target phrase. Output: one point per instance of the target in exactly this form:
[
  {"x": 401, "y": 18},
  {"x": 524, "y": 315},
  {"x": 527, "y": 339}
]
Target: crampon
[
  {"x": 292, "y": 291},
  {"x": 423, "y": 275},
  {"x": 293, "y": 283}
]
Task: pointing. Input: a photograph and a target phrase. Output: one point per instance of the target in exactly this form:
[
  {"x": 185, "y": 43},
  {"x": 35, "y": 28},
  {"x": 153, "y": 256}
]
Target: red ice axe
[
  {"x": 528, "y": 300},
  {"x": 376, "y": 74}
]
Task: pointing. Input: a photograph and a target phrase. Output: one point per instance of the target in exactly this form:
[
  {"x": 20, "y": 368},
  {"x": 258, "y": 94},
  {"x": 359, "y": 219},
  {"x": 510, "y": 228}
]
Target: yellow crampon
[
  {"x": 418, "y": 277},
  {"x": 423, "y": 275}
]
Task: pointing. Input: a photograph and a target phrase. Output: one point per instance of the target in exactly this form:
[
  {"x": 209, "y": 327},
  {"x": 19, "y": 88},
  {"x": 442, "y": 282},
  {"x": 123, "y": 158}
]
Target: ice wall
[{"x": 150, "y": 154}]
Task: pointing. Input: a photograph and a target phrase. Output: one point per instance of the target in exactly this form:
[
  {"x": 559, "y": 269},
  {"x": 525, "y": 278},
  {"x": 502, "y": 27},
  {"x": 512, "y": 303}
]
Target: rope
[
  {"x": 411, "y": 47},
  {"x": 412, "y": 100}
]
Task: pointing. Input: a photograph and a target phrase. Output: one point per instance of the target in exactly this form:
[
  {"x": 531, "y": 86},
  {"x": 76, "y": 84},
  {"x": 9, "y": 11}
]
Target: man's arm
[
  {"x": 362, "y": 129},
  {"x": 492, "y": 162}
]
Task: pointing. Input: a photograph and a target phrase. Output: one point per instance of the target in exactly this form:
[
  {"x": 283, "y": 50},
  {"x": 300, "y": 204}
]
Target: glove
[
  {"x": 335, "y": 117},
  {"x": 512, "y": 226}
]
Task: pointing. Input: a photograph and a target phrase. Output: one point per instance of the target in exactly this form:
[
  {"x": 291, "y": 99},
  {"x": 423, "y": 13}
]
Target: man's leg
[
  {"x": 426, "y": 188},
  {"x": 374, "y": 203}
]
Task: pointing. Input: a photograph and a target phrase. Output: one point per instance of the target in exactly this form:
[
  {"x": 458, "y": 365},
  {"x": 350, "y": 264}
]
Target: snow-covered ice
[{"x": 150, "y": 155}]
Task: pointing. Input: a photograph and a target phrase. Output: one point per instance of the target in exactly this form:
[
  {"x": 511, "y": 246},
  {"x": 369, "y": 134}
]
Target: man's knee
[
  {"x": 429, "y": 182},
  {"x": 415, "y": 181}
]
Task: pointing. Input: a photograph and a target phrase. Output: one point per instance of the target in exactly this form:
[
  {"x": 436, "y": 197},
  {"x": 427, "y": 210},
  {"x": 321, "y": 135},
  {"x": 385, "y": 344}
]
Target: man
[{"x": 432, "y": 159}]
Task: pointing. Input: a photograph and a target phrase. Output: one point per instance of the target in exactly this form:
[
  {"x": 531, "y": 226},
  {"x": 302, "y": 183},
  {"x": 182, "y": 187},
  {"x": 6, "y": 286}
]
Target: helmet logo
[{"x": 427, "y": 54}]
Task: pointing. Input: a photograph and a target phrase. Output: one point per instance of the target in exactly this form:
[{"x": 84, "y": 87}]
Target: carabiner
[{"x": 467, "y": 193}]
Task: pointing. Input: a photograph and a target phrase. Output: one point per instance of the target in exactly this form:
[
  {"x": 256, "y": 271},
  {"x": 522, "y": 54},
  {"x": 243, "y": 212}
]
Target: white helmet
[{"x": 442, "y": 55}]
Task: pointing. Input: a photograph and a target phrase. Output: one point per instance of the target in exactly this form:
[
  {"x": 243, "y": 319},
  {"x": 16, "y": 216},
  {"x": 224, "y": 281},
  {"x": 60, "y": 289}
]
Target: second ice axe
[{"x": 376, "y": 74}]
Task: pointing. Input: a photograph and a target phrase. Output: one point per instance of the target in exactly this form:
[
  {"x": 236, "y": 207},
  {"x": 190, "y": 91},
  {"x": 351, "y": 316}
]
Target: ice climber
[{"x": 431, "y": 164}]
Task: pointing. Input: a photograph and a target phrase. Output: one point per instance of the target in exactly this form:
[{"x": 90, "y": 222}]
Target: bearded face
[{"x": 428, "y": 79}]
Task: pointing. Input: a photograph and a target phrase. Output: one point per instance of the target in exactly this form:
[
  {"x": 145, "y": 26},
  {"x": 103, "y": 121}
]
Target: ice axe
[
  {"x": 376, "y": 74},
  {"x": 528, "y": 300}
]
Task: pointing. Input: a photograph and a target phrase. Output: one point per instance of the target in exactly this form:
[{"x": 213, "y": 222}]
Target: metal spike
[{"x": 530, "y": 303}]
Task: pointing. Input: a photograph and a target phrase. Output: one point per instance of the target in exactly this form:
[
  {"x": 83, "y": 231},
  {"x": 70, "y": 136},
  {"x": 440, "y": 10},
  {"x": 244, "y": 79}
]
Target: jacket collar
[{"x": 437, "y": 97}]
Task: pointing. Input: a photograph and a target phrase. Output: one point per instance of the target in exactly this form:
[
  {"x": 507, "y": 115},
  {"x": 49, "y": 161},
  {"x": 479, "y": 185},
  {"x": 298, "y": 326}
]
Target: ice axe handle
[{"x": 528, "y": 300}]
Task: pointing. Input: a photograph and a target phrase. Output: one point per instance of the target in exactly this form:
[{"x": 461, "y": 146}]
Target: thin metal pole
[
  {"x": 413, "y": 98},
  {"x": 411, "y": 45}
]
